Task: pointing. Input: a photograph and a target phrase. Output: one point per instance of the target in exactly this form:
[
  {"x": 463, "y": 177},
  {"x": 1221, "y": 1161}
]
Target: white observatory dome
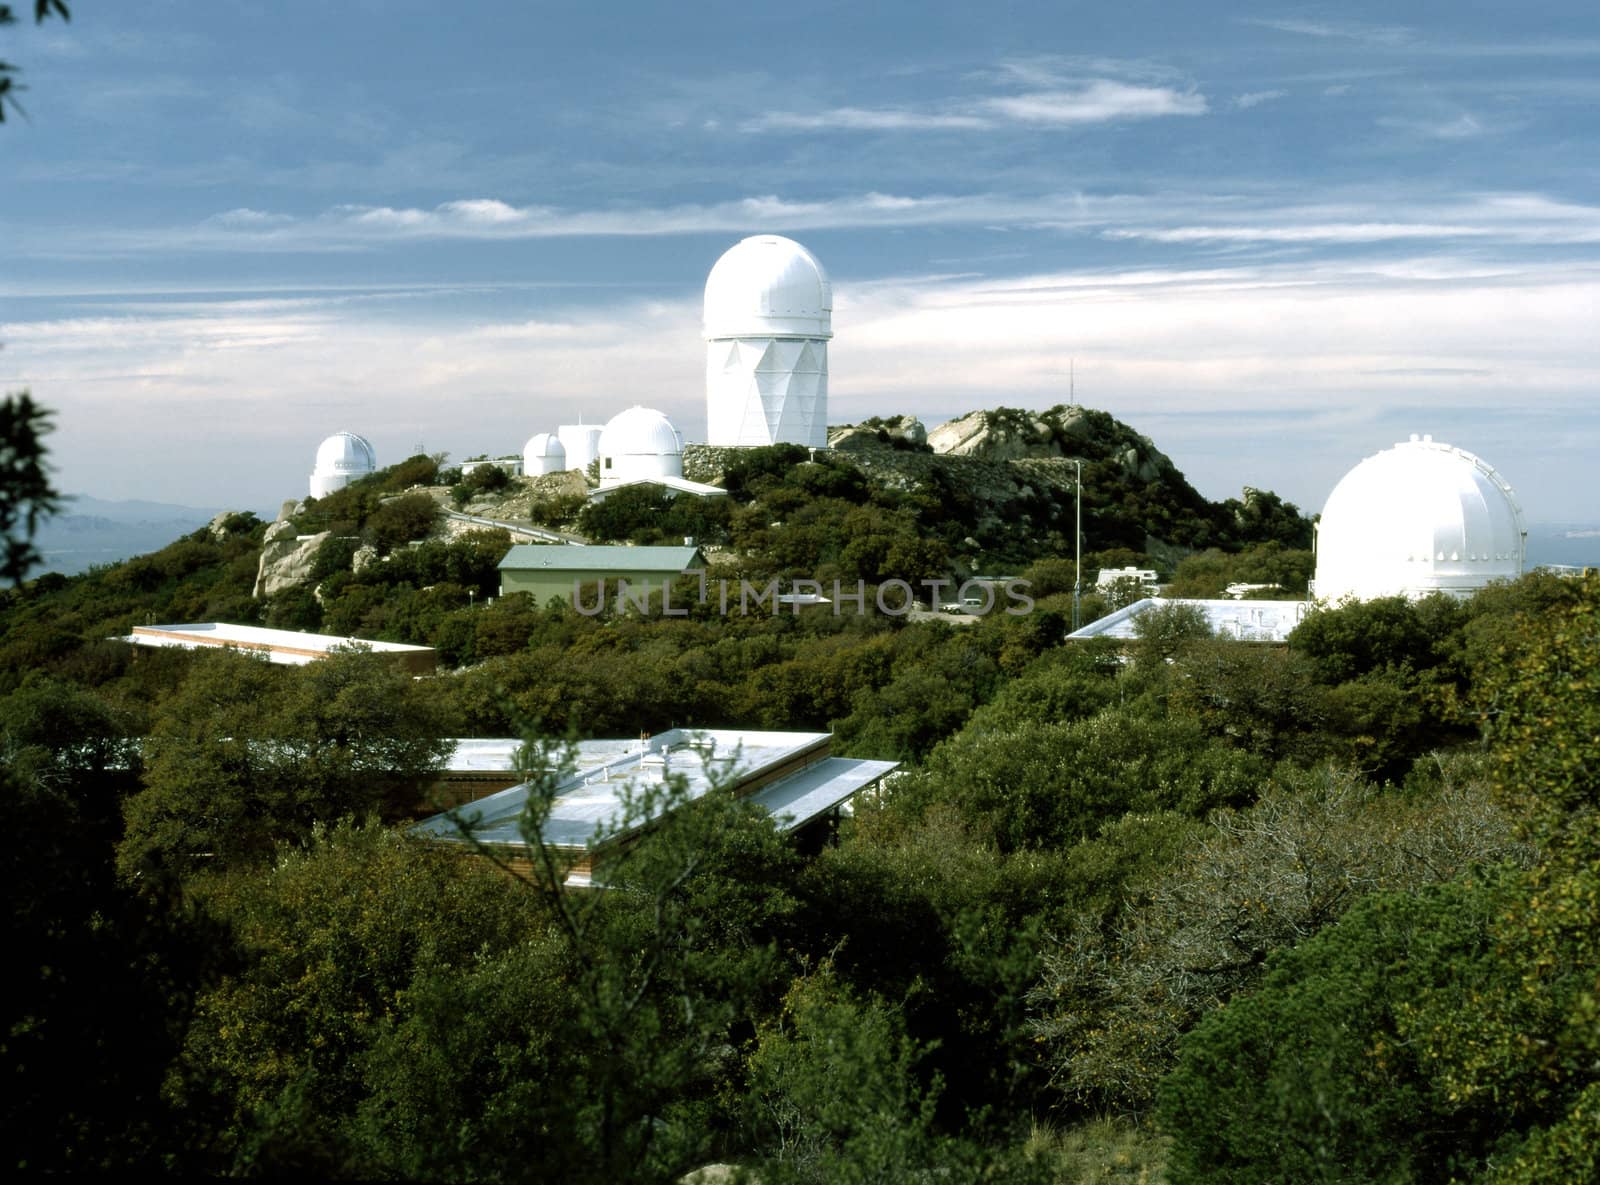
[
  {"x": 543, "y": 453},
  {"x": 768, "y": 319},
  {"x": 341, "y": 459},
  {"x": 768, "y": 286},
  {"x": 639, "y": 443},
  {"x": 1418, "y": 518}
]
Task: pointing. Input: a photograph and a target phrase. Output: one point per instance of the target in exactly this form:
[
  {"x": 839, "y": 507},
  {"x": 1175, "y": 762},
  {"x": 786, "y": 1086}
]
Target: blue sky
[{"x": 1274, "y": 238}]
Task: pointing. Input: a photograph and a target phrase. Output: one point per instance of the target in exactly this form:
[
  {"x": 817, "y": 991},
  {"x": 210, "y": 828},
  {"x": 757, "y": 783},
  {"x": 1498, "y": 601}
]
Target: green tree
[
  {"x": 26, "y": 495},
  {"x": 8, "y": 70},
  {"x": 834, "y": 1095},
  {"x": 245, "y": 754}
]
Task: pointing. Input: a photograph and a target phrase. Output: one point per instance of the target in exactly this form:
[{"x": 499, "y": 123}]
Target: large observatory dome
[
  {"x": 639, "y": 443},
  {"x": 341, "y": 459},
  {"x": 768, "y": 318},
  {"x": 768, "y": 286},
  {"x": 1418, "y": 518}
]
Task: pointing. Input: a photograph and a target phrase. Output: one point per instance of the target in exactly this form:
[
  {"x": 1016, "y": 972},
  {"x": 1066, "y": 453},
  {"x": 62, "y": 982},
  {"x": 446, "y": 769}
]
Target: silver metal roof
[
  {"x": 600, "y": 558},
  {"x": 1244, "y": 621},
  {"x": 605, "y": 797}
]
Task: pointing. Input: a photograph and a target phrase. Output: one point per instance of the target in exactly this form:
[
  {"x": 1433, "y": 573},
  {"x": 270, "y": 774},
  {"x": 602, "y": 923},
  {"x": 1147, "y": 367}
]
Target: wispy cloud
[
  {"x": 1255, "y": 98},
  {"x": 1460, "y": 127},
  {"x": 1388, "y": 35},
  {"x": 1050, "y": 98},
  {"x": 862, "y": 119},
  {"x": 1100, "y": 101},
  {"x": 1186, "y": 218},
  {"x": 1341, "y": 339}
]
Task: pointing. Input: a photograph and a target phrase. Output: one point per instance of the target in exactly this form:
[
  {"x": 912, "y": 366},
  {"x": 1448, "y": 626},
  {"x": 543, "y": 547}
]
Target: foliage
[
  {"x": 99, "y": 980},
  {"x": 401, "y": 520},
  {"x": 245, "y": 754},
  {"x": 26, "y": 496},
  {"x": 333, "y": 939},
  {"x": 1114, "y": 1001},
  {"x": 834, "y": 1096},
  {"x": 647, "y": 514},
  {"x": 1317, "y": 1078},
  {"x": 9, "y": 71}
]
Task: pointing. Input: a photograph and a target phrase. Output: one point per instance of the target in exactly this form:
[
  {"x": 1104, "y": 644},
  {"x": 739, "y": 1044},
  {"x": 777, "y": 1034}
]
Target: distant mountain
[{"x": 96, "y": 531}]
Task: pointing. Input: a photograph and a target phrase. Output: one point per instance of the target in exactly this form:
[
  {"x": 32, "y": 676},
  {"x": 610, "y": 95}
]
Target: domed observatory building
[
  {"x": 543, "y": 454},
  {"x": 1419, "y": 518},
  {"x": 582, "y": 442},
  {"x": 639, "y": 444},
  {"x": 341, "y": 459},
  {"x": 768, "y": 320}
]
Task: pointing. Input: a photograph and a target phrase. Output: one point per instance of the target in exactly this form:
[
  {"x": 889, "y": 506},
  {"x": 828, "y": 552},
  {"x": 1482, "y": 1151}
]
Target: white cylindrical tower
[
  {"x": 639, "y": 443},
  {"x": 768, "y": 320},
  {"x": 543, "y": 454},
  {"x": 341, "y": 459},
  {"x": 1418, "y": 518},
  {"x": 582, "y": 442}
]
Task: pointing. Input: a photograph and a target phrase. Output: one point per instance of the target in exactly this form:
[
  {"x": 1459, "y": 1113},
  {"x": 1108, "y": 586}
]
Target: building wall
[{"x": 542, "y": 585}]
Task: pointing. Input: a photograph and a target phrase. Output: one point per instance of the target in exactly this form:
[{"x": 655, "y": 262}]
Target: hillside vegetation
[{"x": 1190, "y": 910}]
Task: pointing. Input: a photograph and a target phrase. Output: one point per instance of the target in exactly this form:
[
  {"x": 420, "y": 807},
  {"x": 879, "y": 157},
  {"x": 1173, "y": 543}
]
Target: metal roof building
[
  {"x": 549, "y": 571},
  {"x": 284, "y": 647},
  {"x": 603, "y": 802},
  {"x": 1243, "y": 621}
]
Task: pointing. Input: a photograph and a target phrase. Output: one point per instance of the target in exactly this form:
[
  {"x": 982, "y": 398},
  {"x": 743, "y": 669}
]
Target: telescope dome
[
  {"x": 341, "y": 459},
  {"x": 639, "y": 443},
  {"x": 1418, "y": 518},
  {"x": 768, "y": 286}
]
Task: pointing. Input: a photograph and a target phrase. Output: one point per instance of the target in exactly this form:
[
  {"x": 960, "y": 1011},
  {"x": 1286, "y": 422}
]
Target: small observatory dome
[
  {"x": 341, "y": 459},
  {"x": 543, "y": 453},
  {"x": 1418, "y": 518},
  {"x": 639, "y": 443},
  {"x": 768, "y": 286}
]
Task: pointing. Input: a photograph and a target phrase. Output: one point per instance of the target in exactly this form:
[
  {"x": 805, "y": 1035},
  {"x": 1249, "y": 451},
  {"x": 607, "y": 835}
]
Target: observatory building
[
  {"x": 543, "y": 454},
  {"x": 768, "y": 319},
  {"x": 637, "y": 445},
  {"x": 582, "y": 442},
  {"x": 341, "y": 459},
  {"x": 1419, "y": 518}
]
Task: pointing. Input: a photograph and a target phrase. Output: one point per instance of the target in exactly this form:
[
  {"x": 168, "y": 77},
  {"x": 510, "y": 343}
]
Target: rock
[
  {"x": 365, "y": 556},
  {"x": 224, "y": 524},
  {"x": 286, "y": 558}
]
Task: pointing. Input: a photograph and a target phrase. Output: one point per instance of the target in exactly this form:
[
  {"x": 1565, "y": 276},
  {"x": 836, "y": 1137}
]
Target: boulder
[{"x": 286, "y": 558}]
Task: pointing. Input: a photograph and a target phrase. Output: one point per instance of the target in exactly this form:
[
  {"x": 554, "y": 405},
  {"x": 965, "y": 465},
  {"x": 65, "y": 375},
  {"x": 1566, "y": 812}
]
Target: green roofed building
[{"x": 546, "y": 571}]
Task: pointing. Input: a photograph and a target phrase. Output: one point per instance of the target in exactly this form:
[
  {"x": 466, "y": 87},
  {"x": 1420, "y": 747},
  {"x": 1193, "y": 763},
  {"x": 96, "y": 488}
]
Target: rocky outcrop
[{"x": 286, "y": 558}]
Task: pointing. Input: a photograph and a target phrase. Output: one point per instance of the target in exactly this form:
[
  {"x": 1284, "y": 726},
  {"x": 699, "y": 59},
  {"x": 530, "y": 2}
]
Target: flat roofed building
[
  {"x": 552, "y": 571},
  {"x": 600, "y": 803},
  {"x": 285, "y": 647},
  {"x": 1243, "y": 621}
]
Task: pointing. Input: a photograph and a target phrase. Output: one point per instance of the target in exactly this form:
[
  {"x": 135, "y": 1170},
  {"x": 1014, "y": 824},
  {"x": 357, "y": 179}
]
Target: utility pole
[{"x": 1077, "y": 545}]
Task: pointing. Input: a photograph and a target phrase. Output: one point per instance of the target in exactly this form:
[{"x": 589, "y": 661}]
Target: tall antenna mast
[{"x": 1072, "y": 381}]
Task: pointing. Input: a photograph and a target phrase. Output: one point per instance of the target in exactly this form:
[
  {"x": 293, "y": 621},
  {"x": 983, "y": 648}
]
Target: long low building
[
  {"x": 285, "y": 647},
  {"x": 550, "y": 571},
  {"x": 603, "y": 801},
  {"x": 1243, "y": 621}
]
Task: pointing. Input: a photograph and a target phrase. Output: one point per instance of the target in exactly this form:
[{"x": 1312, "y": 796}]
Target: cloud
[
  {"x": 1101, "y": 101},
  {"x": 1386, "y": 35},
  {"x": 1462, "y": 127},
  {"x": 1255, "y": 98},
  {"x": 1050, "y": 100},
  {"x": 1210, "y": 353},
  {"x": 860, "y": 119}
]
